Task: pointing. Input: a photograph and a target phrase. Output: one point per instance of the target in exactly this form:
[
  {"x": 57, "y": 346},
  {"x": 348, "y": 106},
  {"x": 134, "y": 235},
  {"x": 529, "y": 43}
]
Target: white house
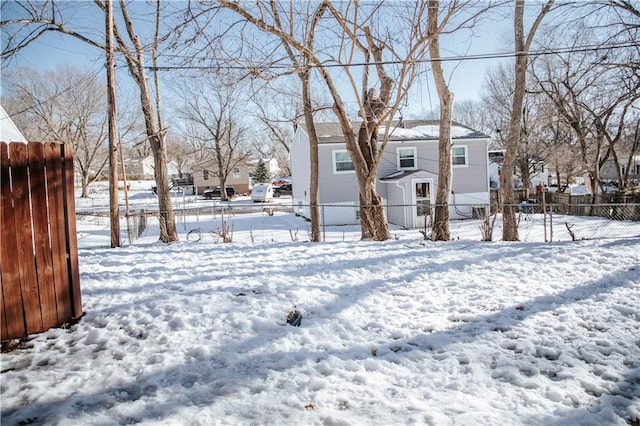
[
  {"x": 144, "y": 168},
  {"x": 271, "y": 165},
  {"x": 407, "y": 174},
  {"x": 539, "y": 173},
  {"x": 8, "y": 130}
]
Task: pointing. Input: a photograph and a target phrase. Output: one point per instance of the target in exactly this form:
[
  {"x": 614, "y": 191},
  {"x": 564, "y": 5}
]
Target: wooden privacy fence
[{"x": 40, "y": 285}]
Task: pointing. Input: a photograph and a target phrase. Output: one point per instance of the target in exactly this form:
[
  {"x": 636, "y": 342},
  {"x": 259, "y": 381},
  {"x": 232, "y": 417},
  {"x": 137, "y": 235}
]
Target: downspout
[{"x": 404, "y": 201}]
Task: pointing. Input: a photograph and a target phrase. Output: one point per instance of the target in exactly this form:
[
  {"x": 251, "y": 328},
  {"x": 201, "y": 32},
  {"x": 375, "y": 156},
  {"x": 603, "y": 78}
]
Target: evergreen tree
[{"x": 261, "y": 174}]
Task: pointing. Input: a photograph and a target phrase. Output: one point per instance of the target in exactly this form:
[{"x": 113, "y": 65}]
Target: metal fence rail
[{"x": 261, "y": 223}]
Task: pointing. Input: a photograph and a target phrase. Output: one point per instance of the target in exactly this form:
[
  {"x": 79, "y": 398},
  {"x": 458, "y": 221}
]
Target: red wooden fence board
[
  {"x": 44, "y": 261},
  {"x": 12, "y": 310},
  {"x": 56, "y": 218},
  {"x": 24, "y": 231},
  {"x": 40, "y": 278},
  {"x": 72, "y": 234}
]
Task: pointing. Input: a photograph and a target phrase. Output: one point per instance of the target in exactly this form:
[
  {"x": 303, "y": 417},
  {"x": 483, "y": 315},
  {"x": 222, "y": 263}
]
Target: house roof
[
  {"x": 402, "y": 130},
  {"x": 8, "y": 130},
  {"x": 403, "y": 174}
]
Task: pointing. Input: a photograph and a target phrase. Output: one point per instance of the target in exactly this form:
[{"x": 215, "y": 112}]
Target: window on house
[
  {"x": 205, "y": 174},
  {"x": 236, "y": 172},
  {"x": 459, "y": 156},
  {"x": 407, "y": 158},
  {"x": 342, "y": 162}
]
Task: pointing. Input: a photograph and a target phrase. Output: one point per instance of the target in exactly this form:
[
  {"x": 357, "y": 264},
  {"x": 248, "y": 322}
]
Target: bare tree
[
  {"x": 595, "y": 97},
  {"x": 29, "y": 21},
  {"x": 474, "y": 113},
  {"x": 522, "y": 46},
  {"x": 213, "y": 106},
  {"x": 378, "y": 89},
  {"x": 65, "y": 105},
  {"x": 280, "y": 111},
  {"x": 441, "y": 211}
]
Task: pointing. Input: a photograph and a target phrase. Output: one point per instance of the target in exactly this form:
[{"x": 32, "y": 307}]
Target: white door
[{"x": 422, "y": 209}]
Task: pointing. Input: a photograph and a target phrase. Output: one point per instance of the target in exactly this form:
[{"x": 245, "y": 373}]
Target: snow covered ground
[{"x": 399, "y": 332}]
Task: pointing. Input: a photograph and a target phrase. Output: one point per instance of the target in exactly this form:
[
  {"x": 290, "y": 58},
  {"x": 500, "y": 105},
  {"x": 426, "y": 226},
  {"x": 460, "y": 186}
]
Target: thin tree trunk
[
  {"x": 114, "y": 210},
  {"x": 85, "y": 186},
  {"x": 155, "y": 135},
  {"x": 441, "y": 230},
  {"x": 316, "y": 235},
  {"x": 509, "y": 224}
]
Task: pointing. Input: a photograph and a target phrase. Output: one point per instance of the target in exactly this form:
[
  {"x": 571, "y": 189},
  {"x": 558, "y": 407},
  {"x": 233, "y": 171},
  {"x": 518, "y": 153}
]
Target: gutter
[{"x": 404, "y": 201}]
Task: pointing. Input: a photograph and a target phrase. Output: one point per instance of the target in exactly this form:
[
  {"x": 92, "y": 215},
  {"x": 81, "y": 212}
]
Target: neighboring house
[
  {"x": 608, "y": 171},
  {"x": 407, "y": 174},
  {"x": 271, "y": 164},
  {"x": 8, "y": 130},
  {"x": 539, "y": 172},
  {"x": 144, "y": 168},
  {"x": 205, "y": 177}
]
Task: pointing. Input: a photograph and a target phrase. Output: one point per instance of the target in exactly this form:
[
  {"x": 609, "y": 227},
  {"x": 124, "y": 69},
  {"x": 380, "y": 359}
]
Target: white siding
[
  {"x": 300, "y": 169},
  {"x": 8, "y": 130}
]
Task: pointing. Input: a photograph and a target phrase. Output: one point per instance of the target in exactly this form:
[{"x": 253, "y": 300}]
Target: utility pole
[{"x": 113, "y": 132}]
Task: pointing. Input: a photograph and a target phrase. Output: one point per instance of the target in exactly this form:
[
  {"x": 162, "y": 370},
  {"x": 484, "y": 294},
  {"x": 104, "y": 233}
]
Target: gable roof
[
  {"x": 403, "y": 174},
  {"x": 8, "y": 130},
  {"x": 403, "y": 130}
]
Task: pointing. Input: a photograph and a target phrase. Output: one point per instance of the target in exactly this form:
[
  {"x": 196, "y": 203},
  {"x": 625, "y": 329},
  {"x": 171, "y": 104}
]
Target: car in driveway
[
  {"x": 284, "y": 189},
  {"x": 210, "y": 194}
]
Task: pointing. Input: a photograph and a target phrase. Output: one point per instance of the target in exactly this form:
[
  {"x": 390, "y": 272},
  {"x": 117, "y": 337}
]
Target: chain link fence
[{"x": 280, "y": 223}]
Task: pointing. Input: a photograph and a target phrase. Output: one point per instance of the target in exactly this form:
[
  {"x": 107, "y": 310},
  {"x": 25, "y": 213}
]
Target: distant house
[
  {"x": 608, "y": 172},
  {"x": 144, "y": 168},
  {"x": 205, "y": 176},
  {"x": 407, "y": 175},
  {"x": 539, "y": 173},
  {"x": 8, "y": 130},
  {"x": 271, "y": 164}
]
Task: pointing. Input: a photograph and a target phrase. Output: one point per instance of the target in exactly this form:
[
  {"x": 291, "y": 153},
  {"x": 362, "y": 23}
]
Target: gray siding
[
  {"x": 475, "y": 176},
  {"x": 471, "y": 180},
  {"x": 335, "y": 188}
]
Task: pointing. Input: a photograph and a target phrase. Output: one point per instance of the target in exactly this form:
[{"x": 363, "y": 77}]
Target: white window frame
[
  {"x": 415, "y": 157},
  {"x": 466, "y": 155},
  {"x": 236, "y": 172},
  {"x": 334, "y": 162}
]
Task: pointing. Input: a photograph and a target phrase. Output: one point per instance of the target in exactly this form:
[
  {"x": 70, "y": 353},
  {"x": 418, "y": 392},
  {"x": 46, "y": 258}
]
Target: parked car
[
  {"x": 262, "y": 192},
  {"x": 215, "y": 193},
  {"x": 282, "y": 190},
  {"x": 555, "y": 188}
]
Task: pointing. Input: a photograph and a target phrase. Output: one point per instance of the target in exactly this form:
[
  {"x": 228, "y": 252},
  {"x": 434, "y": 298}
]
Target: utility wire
[
  {"x": 497, "y": 55},
  {"x": 87, "y": 79}
]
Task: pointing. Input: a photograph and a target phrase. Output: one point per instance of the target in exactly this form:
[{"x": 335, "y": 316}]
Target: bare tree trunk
[
  {"x": 509, "y": 224},
  {"x": 155, "y": 135},
  {"x": 114, "y": 210},
  {"x": 441, "y": 212},
  {"x": 373, "y": 220},
  {"x": 85, "y": 186},
  {"x": 316, "y": 235}
]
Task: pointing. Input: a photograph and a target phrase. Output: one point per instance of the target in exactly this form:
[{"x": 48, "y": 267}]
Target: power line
[
  {"x": 496, "y": 55},
  {"x": 88, "y": 78}
]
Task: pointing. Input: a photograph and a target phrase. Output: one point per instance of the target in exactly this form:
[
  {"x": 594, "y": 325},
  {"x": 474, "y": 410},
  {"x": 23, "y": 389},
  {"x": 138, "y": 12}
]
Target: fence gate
[{"x": 40, "y": 285}]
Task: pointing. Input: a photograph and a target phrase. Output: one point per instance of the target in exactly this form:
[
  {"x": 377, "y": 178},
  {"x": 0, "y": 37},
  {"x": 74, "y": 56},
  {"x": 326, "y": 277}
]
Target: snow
[
  {"x": 428, "y": 131},
  {"x": 396, "y": 332}
]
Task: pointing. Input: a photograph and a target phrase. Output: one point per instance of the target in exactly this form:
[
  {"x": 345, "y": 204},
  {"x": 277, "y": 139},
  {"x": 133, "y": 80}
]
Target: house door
[{"x": 422, "y": 197}]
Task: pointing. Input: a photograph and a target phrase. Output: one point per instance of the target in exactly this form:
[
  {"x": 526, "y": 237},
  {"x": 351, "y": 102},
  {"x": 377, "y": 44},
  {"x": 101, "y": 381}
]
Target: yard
[{"x": 404, "y": 331}]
